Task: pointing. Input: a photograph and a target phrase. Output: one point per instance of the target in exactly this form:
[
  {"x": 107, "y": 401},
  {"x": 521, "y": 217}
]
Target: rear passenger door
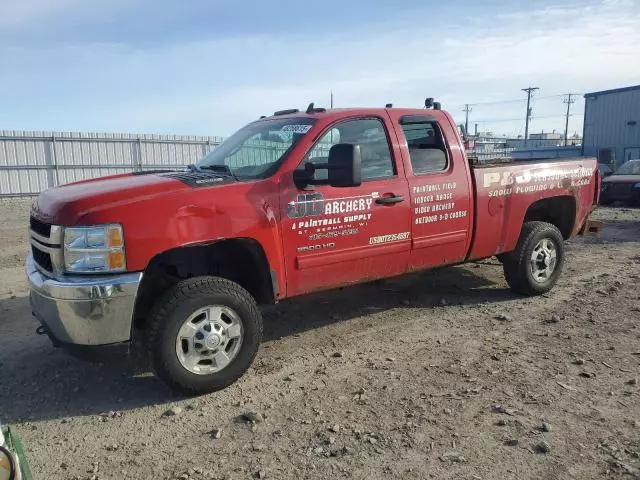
[{"x": 440, "y": 190}]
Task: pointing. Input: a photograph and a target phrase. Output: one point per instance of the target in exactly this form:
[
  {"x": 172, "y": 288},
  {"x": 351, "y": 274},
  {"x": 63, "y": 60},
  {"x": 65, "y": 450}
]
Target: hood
[
  {"x": 621, "y": 179},
  {"x": 66, "y": 204}
]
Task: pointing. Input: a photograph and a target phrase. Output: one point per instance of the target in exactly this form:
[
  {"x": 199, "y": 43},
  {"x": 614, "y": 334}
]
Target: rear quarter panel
[{"x": 504, "y": 193}]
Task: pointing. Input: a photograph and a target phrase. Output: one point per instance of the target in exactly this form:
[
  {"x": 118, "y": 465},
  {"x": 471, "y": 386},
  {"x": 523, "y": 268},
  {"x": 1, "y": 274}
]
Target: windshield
[
  {"x": 257, "y": 150},
  {"x": 632, "y": 167}
]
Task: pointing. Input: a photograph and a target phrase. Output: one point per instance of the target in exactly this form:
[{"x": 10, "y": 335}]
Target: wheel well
[
  {"x": 559, "y": 211},
  {"x": 242, "y": 261}
]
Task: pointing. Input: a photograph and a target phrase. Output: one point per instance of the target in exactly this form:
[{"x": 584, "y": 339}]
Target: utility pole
[
  {"x": 568, "y": 101},
  {"x": 331, "y": 98},
  {"x": 526, "y": 125},
  {"x": 466, "y": 111}
]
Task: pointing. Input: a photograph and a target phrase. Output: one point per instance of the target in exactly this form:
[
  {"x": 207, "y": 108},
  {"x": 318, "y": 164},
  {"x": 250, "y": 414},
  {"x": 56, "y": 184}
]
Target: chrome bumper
[{"x": 84, "y": 310}]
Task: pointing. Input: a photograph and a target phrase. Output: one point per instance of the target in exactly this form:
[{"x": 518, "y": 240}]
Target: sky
[{"x": 207, "y": 67}]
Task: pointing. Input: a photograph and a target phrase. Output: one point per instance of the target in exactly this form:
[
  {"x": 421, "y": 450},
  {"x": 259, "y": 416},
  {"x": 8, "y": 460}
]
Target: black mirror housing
[
  {"x": 344, "y": 168},
  {"x": 345, "y": 165}
]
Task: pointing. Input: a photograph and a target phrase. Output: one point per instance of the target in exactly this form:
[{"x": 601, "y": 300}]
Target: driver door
[{"x": 336, "y": 236}]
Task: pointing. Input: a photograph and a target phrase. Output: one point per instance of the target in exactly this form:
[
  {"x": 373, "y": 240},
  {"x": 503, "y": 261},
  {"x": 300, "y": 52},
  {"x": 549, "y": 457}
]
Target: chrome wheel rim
[
  {"x": 209, "y": 339},
  {"x": 544, "y": 259}
]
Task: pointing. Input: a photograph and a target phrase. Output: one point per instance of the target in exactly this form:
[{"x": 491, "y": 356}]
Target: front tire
[
  {"x": 203, "y": 334},
  {"x": 534, "y": 267}
]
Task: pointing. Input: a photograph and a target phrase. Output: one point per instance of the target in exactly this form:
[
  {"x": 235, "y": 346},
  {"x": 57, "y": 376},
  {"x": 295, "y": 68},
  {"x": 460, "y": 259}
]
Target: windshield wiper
[{"x": 222, "y": 169}]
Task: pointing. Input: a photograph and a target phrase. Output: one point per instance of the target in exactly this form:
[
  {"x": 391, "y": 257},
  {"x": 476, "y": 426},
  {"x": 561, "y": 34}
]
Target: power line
[
  {"x": 533, "y": 117},
  {"x": 568, "y": 101},
  {"x": 529, "y": 91},
  {"x": 514, "y": 100}
]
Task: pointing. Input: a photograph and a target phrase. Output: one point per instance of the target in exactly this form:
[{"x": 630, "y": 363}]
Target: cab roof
[{"x": 337, "y": 112}]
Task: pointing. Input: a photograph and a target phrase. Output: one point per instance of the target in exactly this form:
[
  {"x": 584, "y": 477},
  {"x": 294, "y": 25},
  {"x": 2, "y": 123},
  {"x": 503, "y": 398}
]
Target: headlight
[{"x": 98, "y": 249}]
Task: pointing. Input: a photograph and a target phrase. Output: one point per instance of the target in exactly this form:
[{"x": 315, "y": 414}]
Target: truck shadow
[
  {"x": 39, "y": 382},
  {"x": 434, "y": 288}
]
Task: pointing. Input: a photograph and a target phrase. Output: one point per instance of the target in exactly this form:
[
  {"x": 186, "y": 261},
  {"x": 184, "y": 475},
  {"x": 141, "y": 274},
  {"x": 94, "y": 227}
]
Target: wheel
[
  {"x": 534, "y": 266},
  {"x": 203, "y": 334}
]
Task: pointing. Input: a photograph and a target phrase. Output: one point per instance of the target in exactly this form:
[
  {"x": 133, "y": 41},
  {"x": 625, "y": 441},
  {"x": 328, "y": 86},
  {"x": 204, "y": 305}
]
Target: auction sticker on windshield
[{"x": 296, "y": 128}]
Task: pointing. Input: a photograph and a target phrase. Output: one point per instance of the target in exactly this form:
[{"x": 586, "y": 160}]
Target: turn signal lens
[
  {"x": 114, "y": 236},
  {"x": 116, "y": 260}
]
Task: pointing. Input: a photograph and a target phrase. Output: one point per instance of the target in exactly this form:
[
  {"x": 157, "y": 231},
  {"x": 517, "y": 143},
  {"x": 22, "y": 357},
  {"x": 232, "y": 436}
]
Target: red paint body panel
[
  {"x": 440, "y": 241},
  {"x": 505, "y": 192},
  {"x": 473, "y": 217},
  {"x": 357, "y": 259}
]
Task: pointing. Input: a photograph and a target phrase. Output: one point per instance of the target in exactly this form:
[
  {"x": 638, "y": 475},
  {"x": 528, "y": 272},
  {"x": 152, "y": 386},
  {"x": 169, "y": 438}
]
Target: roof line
[{"x": 615, "y": 90}]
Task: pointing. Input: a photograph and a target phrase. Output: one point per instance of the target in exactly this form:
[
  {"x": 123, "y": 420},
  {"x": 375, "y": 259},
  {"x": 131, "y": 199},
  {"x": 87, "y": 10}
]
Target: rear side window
[{"x": 426, "y": 147}]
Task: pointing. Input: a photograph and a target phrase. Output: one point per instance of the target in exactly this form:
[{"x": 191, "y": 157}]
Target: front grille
[
  {"x": 39, "y": 227},
  {"x": 46, "y": 246},
  {"x": 42, "y": 258}
]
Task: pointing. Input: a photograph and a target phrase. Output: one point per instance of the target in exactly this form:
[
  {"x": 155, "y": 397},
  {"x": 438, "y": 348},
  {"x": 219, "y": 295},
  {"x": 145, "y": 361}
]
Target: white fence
[{"x": 31, "y": 162}]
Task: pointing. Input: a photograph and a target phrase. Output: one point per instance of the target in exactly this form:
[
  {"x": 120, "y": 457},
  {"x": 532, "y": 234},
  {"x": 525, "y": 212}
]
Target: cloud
[
  {"x": 558, "y": 49},
  {"x": 213, "y": 86},
  {"x": 16, "y": 13},
  {"x": 21, "y": 15}
]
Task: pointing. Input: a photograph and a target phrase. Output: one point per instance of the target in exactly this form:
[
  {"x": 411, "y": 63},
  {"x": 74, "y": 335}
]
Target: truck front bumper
[{"x": 89, "y": 315}]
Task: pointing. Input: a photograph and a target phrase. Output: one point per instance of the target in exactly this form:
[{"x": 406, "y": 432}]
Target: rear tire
[
  {"x": 534, "y": 266},
  {"x": 195, "y": 324}
]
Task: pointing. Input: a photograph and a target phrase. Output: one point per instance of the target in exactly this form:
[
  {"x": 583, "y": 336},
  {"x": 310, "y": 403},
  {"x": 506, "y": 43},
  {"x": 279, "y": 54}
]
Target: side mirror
[{"x": 343, "y": 165}]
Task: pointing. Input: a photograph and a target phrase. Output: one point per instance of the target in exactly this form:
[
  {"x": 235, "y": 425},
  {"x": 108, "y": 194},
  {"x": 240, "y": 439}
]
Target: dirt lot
[{"x": 444, "y": 375}]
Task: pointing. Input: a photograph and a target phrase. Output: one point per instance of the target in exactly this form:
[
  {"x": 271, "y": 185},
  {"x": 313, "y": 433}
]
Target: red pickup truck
[{"x": 290, "y": 204}]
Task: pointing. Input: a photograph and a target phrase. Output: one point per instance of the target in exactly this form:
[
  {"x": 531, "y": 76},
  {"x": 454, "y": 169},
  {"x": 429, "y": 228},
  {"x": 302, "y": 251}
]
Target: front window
[
  {"x": 632, "y": 167},
  {"x": 258, "y": 149},
  {"x": 375, "y": 150}
]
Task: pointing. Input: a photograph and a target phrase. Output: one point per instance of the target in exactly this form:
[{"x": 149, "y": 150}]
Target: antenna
[{"x": 310, "y": 108}]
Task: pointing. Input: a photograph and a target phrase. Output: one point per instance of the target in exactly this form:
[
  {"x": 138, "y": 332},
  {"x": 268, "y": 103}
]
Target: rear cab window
[{"x": 426, "y": 145}]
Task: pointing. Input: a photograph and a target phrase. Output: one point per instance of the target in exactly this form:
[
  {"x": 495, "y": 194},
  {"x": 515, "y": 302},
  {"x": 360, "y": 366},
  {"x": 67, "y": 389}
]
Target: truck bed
[{"x": 510, "y": 193}]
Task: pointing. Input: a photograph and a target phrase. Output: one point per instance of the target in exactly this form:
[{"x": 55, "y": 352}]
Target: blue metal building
[{"x": 612, "y": 125}]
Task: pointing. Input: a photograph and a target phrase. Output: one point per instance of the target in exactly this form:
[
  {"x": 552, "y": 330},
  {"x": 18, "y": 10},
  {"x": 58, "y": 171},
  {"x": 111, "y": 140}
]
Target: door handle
[{"x": 390, "y": 200}]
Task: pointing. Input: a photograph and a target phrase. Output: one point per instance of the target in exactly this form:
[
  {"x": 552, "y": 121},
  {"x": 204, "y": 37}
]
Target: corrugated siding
[
  {"x": 606, "y": 123},
  {"x": 31, "y": 162}
]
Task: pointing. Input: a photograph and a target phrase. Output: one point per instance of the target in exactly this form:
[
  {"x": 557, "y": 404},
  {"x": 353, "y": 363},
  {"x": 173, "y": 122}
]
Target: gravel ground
[{"x": 443, "y": 374}]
